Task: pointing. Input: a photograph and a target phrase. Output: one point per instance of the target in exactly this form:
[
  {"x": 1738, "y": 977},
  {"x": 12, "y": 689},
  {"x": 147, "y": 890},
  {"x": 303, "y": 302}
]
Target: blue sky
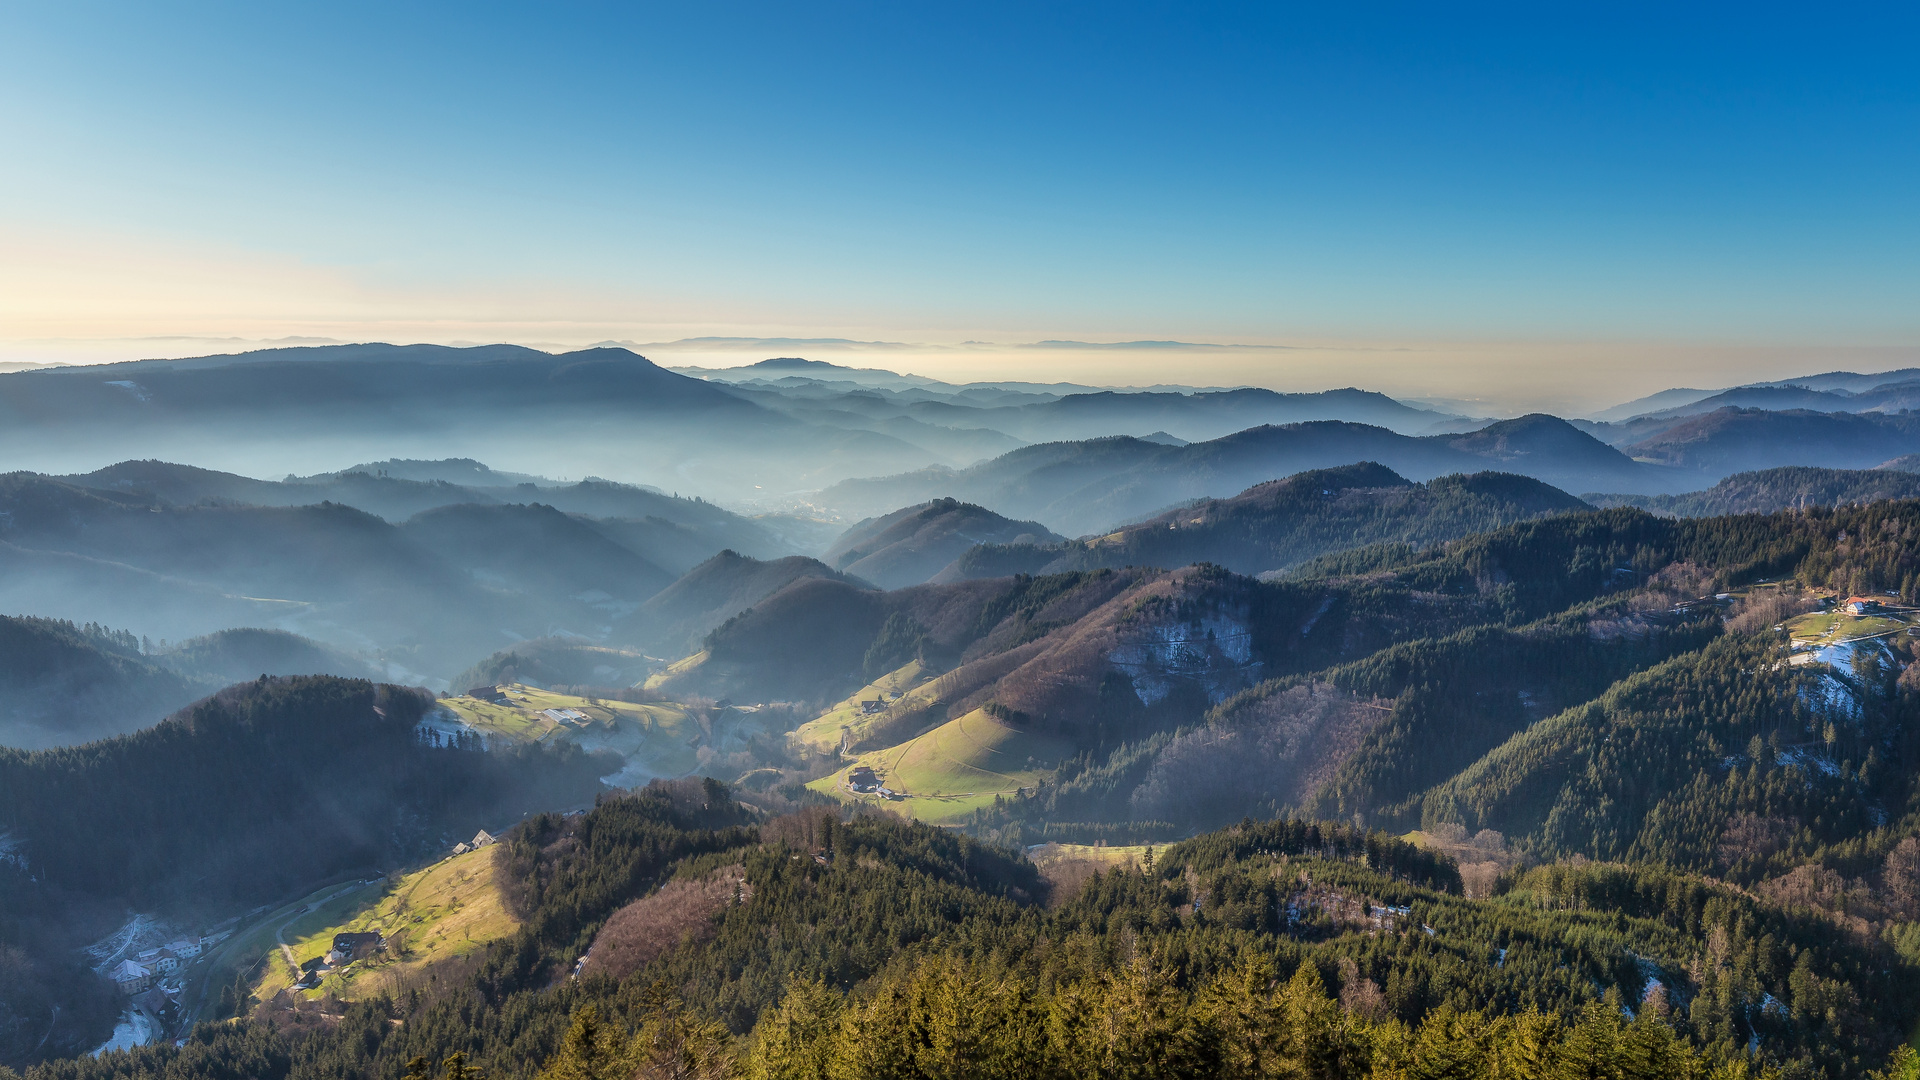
[{"x": 1736, "y": 186}]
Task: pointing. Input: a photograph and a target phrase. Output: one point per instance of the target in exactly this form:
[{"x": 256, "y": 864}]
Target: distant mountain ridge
[
  {"x": 1280, "y": 523},
  {"x": 1093, "y": 486}
]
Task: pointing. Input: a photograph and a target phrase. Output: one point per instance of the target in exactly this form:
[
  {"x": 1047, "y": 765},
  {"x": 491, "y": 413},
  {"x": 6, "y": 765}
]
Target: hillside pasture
[
  {"x": 656, "y": 738},
  {"x": 1822, "y": 628},
  {"x": 447, "y": 910},
  {"x": 954, "y": 769},
  {"x": 849, "y": 719}
]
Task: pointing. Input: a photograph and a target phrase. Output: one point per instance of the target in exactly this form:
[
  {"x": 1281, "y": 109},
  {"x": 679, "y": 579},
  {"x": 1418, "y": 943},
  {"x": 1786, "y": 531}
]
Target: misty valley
[{"x": 415, "y": 711}]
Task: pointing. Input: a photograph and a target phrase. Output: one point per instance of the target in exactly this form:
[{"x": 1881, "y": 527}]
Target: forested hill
[
  {"x": 263, "y": 791},
  {"x": 1772, "y": 490},
  {"x": 261, "y": 788},
  {"x": 1278, "y": 524},
  {"x": 873, "y": 947},
  {"x": 61, "y": 683}
]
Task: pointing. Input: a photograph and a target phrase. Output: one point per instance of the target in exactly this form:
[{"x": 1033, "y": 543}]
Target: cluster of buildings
[
  {"x": 480, "y": 839},
  {"x": 347, "y": 947},
  {"x": 862, "y": 780},
  {"x": 140, "y": 972}
]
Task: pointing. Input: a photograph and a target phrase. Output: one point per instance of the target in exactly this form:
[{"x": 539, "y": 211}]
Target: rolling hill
[
  {"x": 553, "y": 661},
  {"x": 535, "y": 549},
  {"x": 62, "y": 684},
  {"x": 1770, "y": 490},
  {"x": 1281, "y": 523},
  {"x": 675, "y": 532},
  {"x": 1732, "y": 440},
  {"x": 676, "y": 618},
  {"x": 429, "y": 594},
  {"x": 605, "y": 411},
  {"x": 912, "y": 544},
  {"x": 1081, "y": 488},
  {"x": 954, "y": 769}
]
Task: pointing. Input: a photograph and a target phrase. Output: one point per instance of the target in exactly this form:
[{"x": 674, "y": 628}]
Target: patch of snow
[
  {"x": 1809, "y": 760},
  {"x": 139, "y": 932},
  {"x": 446, "y": 723},
  {"x": 1216, "y": 652},
  {"x": 134, "y": 1029}
]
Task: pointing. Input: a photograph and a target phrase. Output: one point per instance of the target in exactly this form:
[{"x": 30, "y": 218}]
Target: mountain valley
[{"x": 1190, "y": 732}]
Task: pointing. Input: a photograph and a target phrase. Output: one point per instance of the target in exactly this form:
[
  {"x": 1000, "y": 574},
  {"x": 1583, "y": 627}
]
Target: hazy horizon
[
  {"x": 1500, "y": 379},
  {"x": 1538, "y": 210}
]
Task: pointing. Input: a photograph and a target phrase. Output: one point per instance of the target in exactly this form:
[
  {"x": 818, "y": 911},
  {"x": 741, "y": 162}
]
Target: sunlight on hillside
[
  {"x": 657, "y": 736},
  {"x": 847, "y": 722},
  {"x": 450, "y": 909},
  {"x": 659, "y": 679},
  {"x": 953, "y": 770}
]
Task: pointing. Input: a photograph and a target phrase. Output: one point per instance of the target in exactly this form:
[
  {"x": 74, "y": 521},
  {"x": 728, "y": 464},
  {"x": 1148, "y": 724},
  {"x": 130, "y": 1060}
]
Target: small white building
[{"x": 185, "y": 948}]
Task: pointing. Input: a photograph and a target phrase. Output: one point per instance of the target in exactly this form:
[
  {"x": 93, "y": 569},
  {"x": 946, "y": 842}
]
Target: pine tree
[{"x": 591, "y": 1051}]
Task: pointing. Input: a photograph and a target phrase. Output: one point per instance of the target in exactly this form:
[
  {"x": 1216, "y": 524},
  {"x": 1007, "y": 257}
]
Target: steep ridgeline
[
  {"x": 1281, "y": 523},
  {"x": 986, "y": 688},
  {"x": 1771, "y": 490},
  {"x": 911, "y": 545},
  {"x": 873, "y": 947},
  {"x": 1092, "y": 487}
]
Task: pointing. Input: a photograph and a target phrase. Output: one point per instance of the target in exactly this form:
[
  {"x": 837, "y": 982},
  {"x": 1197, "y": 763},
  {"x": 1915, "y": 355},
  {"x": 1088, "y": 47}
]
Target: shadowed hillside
[
  {"x": 675, "y": 619},
  {"x": 62, "y": 684},
  {"x": 1735, "y": 440},
  {"x": 536, "y": 549}
]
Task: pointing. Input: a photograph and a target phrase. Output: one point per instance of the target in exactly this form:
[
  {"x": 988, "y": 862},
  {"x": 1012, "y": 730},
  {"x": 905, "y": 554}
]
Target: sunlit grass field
[
  {"x": 823, "y": 733},
  {"x": 954, "y": 769},
  {"x": 660, "y": 734},
  {"x": 449, "y": 909}
]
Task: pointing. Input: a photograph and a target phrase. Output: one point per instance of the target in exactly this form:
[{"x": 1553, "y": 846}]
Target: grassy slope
[
  {"x": 954, "y": 769},
  {"x": 449, "y": 909},
  {"x": 822, "y": 733},
  {"x": 679, "y": 667},
  {"x": 1047, "y": 855},
  {"x": 1822, "y": 628},
  {"x": 660, "y": 734}
]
